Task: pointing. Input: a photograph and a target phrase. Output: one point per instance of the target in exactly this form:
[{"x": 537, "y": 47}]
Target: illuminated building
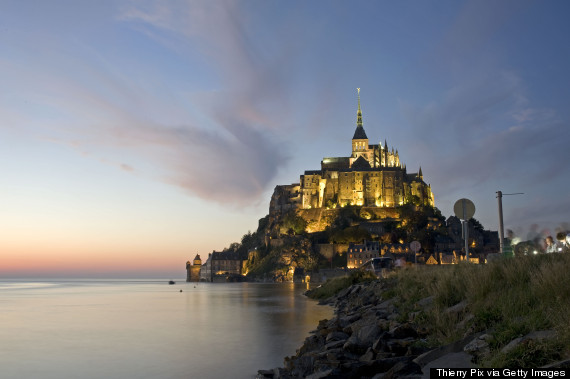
[
  {"x": 372, "y": 176},
  {"x": 193, "y": 270},
  {"x": 222, "y": 264}
]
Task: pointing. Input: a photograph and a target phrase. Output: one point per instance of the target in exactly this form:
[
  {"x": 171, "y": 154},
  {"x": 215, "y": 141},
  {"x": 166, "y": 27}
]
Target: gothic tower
[{"x": 359, "y": 140}]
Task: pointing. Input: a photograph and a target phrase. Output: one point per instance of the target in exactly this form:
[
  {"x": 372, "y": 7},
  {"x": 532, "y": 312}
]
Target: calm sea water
[{"x": 149, "y": 329}]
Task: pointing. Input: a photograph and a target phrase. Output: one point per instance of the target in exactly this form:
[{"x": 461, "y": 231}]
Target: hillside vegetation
[{"x": 507, "y": 299}]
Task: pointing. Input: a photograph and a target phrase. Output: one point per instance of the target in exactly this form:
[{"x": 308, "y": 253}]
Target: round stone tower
[{"x": 193, "y": 270}]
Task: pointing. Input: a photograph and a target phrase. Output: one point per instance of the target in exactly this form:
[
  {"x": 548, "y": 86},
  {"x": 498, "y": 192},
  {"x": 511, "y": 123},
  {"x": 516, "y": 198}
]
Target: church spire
[
  {"x": 359, "y": 133},
  {"x": 359, "y": 112}
]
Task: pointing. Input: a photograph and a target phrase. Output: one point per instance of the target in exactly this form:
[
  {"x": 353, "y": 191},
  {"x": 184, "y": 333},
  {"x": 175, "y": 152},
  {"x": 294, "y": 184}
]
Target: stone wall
[{"x": 318, "y": 219}]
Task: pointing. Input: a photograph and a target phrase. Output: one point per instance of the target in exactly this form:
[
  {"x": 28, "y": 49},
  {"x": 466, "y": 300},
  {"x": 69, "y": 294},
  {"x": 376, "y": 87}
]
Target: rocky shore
[{"x": 369, "y": 338}]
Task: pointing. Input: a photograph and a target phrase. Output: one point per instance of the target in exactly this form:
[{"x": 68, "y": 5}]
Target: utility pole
[
  {"x": 501, "y": 228},
  {"x": 500, "y": 195}
]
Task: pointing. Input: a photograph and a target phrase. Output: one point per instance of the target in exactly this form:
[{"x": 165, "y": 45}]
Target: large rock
[
  {"x": 302, "y": 366},
  {"x": 403, "y": 369},
  {"x": 441, "y": 351},
  {"x": 451, "y": 360},
  {"x": 403, "y": 331},
  {"x": 457, "y": 308},
  {"x": 336, "y": 336},
  {"x": 536, "y": 335},
  {"x": 312, "y": 343},
  {"x": 362, "y": 339},
  {"x": 478, "y": 346}
]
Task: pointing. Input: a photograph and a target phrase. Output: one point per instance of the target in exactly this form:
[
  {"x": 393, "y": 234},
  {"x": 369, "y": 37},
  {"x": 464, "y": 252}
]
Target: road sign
[
  {"x": 415, "y": 246},
  {"x": 464, "y": 209}
]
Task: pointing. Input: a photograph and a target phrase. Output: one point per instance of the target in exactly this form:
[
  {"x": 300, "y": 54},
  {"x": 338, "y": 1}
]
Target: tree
[
  {"x": 476, "y": 224},
  {"x": 292, "y": 223},
  {"x": 302, "y": 254},
  {"x": 350, "y": 234}
]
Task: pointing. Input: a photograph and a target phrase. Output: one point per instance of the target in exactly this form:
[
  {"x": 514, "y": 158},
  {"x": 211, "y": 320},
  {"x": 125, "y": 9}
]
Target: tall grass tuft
[{"x": 507, "y": 298}]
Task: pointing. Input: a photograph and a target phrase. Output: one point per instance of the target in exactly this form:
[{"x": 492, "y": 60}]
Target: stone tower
[
  {"x": 359, "y": 140},
  {"x": 193, "y": 270}
]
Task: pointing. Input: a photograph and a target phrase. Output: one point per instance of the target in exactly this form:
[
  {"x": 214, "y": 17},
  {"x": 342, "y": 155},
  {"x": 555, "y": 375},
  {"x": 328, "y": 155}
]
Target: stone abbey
[{"x": 372, "y": 176}]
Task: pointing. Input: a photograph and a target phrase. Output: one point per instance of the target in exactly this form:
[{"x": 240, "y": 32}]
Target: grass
[{"x": 509, "y": 298}]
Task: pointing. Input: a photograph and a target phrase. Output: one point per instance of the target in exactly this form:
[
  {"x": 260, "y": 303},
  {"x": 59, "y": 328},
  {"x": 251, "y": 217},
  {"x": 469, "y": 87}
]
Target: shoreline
[{"x": 368, "y": 337}]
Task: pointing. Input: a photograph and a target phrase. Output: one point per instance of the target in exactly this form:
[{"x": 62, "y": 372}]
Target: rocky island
[{"x": 363, "y": 205}]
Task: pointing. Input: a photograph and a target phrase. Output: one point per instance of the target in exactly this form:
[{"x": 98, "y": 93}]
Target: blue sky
[{"x": 150, "y": 131}]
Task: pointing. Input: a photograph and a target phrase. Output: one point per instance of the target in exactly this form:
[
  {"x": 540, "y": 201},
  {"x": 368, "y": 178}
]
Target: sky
[{"x": 137, "y": 134}]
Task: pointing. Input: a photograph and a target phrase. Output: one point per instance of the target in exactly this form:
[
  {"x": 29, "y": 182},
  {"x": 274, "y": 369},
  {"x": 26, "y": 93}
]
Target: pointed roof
[
  {"x": 361, "y": 163},
  {"x": 359, "y": 133}
]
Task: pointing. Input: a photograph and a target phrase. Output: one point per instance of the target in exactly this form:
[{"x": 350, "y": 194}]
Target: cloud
[
  {"x": 491, "y": 131},
  {"x": 127, "y": 167},
  {"x": 223, "y": 143}
]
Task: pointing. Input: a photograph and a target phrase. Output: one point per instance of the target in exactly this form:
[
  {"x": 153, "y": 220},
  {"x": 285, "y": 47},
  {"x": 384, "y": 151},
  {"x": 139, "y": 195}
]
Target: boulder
[
  {"x": 336, "y": 336},
  {"x": 345, "y": 321},
  {"x": 457, "y": 308},
  {"x": 368, "y": 356},
  {"x": 334, "y": 344},
  {"x": 403, "y": 369},
  {"x": 379, "y": 365},
  {"x": 406, "y": 330},
  {"x": 441, "y": 351},
  {"x": 426, "y": 302},
  {"x": 399, "y": 346},
  {"x": 536, "y": 335},
  {"x": 478, "y": 346},
  {"x": 311, "y": 343},
  {"x": 302, "y": 366},
  {"x": 451, "y": 360},
  {"x": 321, "y": 374}
]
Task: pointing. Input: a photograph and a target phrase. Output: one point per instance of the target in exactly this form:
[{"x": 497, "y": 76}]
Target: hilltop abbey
[
  {"x": 361, "y": 192},
  {"x": 372, "y": 176}
]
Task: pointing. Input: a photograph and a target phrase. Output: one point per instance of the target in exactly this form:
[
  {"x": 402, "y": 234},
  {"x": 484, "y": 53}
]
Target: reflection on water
[{"x": 145, "y": 329}]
